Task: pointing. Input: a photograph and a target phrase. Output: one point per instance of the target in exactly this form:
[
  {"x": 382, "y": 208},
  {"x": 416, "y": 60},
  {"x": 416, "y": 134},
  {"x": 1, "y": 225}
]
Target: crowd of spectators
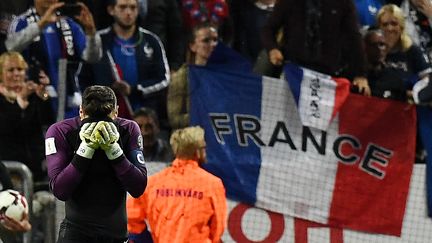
[{"x": 142, "y": 49}]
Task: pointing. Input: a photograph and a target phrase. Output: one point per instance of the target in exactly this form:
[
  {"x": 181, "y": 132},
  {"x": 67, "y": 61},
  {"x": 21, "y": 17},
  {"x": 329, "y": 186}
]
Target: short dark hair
[
  {"x": 372, "y": 31},
  {"x": 147, "y": 112},
  {"x": 98, "y": 101}
]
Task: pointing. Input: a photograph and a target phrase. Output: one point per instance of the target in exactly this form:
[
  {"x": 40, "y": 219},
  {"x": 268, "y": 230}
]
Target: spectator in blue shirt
[
  {"x": 134, "y": 63},
  {"x": 44, "y": 37}
]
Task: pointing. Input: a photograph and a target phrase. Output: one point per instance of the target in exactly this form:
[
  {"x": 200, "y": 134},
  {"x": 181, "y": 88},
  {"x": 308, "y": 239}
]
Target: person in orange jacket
[{"x": 182, "y": 203}]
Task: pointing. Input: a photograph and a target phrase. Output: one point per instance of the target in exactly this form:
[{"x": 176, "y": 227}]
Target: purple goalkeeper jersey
[{"x": 95, "y": 189}]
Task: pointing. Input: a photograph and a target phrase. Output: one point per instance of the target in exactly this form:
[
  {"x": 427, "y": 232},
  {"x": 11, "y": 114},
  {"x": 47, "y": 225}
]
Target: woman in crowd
[
  {"x": 24, "y": 110},
  {"x": 406, "y": 58},
  {"x": 202, "y": 41},
  {"x": 418, "y": 25},
  {"x": 410, "y": 63}
]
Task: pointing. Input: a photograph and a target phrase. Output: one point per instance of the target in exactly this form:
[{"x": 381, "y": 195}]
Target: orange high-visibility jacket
[{"x": 182, "y": 203}]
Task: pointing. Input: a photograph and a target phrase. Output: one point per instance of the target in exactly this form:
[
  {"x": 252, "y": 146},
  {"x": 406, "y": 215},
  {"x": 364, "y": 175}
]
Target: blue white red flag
[
  {"x": 318, "y": 96},
  {"x": 353, "y": 174}
]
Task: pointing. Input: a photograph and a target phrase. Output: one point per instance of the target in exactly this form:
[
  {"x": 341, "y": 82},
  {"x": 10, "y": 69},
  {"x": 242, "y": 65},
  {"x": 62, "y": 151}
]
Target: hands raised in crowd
[
  {"x": 50, "y": 15},
  {"x": 19, "y": 90},
  {"x": 424, "y": 6},
  {"x": 85, "y": 17},
  {"x": 33, "y": 86}
]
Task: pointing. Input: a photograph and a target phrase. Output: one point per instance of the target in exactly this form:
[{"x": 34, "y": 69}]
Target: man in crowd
[
  {"x": 182, "y": 203},
  {"x": 51, "y": 39},
  {"x": 156, "y": 149},
  {"x": 133, "y": 63},
  {"x": 384, "y": 81},
  {"x": 320, "y": 35},
  {"x": 93, "y": 161}
]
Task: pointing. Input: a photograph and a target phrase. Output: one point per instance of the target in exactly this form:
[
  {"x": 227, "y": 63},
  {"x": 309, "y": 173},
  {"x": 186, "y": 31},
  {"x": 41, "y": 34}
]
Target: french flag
[
  {"x": 348, "y": 167},
  {"x": 318, "y": 96}
]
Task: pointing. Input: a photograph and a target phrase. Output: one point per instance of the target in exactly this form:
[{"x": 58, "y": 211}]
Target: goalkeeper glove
[
  {"x": 98, "y": 136},
  {"x": 86, "y": 130},
  {"x": 105, "y": 133},
  {"x": 87, "y": 146},
  {"x": 108, "y": 141}
]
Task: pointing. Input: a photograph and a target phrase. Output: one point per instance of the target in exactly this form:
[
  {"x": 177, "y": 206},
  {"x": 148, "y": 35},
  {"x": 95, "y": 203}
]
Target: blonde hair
[
  {"x": 396, "y": 12},
  {"x": 11, "y": 55},
  {"x": 186, "y": 141}
]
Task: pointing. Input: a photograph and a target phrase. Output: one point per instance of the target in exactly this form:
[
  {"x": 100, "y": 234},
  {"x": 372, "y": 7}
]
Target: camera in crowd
[{"x": 70, "y": 8}]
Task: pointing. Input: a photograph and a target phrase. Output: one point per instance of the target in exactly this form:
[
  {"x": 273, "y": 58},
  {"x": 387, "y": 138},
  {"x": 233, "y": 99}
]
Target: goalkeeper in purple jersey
[{"x": 93, "y": 161}]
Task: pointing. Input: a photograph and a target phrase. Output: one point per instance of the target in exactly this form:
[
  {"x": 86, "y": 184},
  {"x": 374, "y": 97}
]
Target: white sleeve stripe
[
  {"x": 425, "y": 72},
  {"x": 153, "y": 88},
  {"x": 418, "y": 87}
]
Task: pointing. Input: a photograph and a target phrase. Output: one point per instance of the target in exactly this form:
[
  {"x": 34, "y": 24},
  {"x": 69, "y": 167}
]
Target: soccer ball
[{"x": 13, "y": 205}]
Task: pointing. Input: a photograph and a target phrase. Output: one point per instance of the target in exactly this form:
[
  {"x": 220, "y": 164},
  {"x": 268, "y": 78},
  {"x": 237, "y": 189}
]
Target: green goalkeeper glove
[
  {"x": 87, "y": 146},
  {"x": 108, "y": 138},
  {"x": 98, "y": 135},
  {"x": 105, "y": 133}
]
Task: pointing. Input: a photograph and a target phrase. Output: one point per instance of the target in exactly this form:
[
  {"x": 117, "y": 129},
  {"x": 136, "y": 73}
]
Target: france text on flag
[{"x": 355, "y": 174}]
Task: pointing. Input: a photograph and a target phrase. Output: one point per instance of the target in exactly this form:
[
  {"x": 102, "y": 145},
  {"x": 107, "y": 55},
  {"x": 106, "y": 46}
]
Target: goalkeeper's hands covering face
[
  {"x": 87, "y": 146},
  {"x": 106, "y": 136},
  {"x": 105, "y": 133}
]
